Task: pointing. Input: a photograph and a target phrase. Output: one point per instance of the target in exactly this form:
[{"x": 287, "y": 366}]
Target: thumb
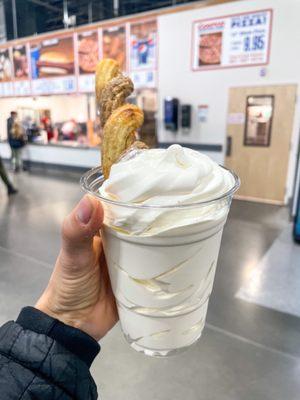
[
  {"x": 74, "y": 283},
  {"x": 81, "y": 225}
]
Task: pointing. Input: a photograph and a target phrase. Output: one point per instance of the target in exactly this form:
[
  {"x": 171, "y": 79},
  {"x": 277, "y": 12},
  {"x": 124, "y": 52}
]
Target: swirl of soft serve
[{"x": 163, "y": 177}]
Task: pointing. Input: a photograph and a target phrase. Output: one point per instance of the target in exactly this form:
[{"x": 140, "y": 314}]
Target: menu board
[
  {"x": 6, "y": 73},
  {"x": 66, "y": 63},
  {"x": 88, "y": 56},
  {"x": 143, "y": 45},
  {"x": 21, "y": 72},
  {"x": 114, "y": 44},
  {"x": 232, "y": 41},
  {"x": 52, "y": 66}
]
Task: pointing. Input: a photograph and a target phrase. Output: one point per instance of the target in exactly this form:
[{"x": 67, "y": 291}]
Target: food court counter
[{"x": 55, "y": 155}]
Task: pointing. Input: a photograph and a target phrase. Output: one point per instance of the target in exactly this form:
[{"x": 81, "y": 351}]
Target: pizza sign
[{"x": 232, "y": 41}]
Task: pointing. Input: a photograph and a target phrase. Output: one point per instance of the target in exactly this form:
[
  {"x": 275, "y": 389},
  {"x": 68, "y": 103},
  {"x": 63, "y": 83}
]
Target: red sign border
[{"x": 208, "y": 68}]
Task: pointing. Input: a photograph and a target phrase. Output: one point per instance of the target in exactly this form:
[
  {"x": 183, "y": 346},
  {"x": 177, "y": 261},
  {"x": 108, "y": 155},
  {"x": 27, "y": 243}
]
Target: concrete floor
[
  {"x": 247, "y": 352},
  {"x": 275, "y": 281}
]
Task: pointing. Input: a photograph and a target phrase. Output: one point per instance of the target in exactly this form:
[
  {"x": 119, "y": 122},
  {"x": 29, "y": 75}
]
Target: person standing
[
  {"x": 47, "y": 125},
  {"x": 10, "y": 123},
  {"x": 10, "y": 188},
  {"x": 16, "y": 139}
]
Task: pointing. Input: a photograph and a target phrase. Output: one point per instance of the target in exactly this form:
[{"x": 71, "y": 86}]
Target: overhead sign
[
  {"x": 52, "y": 66},
  {"x": 60, "y": 63},
  {"x": 237, "y": 40}
]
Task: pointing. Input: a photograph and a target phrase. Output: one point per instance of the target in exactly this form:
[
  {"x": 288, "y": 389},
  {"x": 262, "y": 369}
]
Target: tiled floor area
[{"x": 247, "y": 352}]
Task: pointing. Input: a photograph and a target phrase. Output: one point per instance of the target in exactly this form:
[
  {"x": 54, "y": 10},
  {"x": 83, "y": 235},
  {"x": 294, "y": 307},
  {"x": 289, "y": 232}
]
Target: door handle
[{"x": 228, "y": 146}]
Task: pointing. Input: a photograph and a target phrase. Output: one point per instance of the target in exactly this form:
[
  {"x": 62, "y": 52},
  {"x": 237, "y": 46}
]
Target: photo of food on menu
[
  {"x": 143, "y": 37},
  {"x": 52, "y": 58},
  {"x": 88, "y": 52},
  {"x": 114, "y": 45},
  {"x": 5, "y": 66},
  {"x": 210, "y": 49},
  {"x": 20, "y": 62}
]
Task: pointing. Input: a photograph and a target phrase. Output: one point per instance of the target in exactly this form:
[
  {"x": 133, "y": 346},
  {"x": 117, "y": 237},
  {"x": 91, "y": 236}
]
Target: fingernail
[{"x": 84, "y": 210}]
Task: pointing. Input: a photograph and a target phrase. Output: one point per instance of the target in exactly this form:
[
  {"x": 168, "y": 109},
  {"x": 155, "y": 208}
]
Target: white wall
[{"x": 211, "y": 87}]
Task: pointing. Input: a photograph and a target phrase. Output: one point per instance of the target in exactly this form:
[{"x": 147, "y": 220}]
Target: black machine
[
  {"x": 171, "y": 113},
  {"x": 186, "y": 113}
]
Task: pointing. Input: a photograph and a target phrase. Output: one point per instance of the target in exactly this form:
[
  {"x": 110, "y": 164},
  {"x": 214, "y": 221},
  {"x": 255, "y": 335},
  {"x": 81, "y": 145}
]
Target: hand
[{"x": 79, "y": 292}]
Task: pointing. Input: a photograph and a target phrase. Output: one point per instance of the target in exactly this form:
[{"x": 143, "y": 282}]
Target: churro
[
  {"x": 119, "y": 121},
  {"x": 119, "y": 134}
]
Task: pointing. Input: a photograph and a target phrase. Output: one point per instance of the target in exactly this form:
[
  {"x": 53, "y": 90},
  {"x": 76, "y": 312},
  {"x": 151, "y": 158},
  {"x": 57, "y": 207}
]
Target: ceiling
[{"x": 37, "y": 16}]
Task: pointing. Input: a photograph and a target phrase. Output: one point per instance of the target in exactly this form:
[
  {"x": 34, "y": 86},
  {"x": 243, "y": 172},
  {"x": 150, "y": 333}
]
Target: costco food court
[{"x": 190, "y": 82}]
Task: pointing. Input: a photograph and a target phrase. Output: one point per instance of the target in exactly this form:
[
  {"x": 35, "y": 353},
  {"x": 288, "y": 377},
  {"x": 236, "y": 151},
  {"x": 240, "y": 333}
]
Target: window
[{"x": 259, "y": 116}]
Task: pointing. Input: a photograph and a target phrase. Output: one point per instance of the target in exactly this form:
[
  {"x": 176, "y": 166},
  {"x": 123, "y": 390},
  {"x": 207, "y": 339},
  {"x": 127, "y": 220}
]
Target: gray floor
[
  {"x": 247, "y": 352},
  {"x": 275, "y": 281}
]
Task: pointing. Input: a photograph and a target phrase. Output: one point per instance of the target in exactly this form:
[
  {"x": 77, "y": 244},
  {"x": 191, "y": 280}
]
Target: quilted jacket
[{"x": 44, "y": 359}]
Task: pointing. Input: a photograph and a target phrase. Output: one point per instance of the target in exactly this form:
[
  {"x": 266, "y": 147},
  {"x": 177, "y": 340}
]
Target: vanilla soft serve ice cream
[
  {"x": 160, "y": 178},
  {"x": 164, "y": 215}
]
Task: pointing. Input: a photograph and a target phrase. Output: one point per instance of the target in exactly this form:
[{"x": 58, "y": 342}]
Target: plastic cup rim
[{"x": 85, "y": 185}]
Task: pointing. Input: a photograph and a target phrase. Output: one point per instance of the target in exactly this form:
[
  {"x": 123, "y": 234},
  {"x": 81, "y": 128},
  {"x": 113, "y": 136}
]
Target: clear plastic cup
[{"x": 162, "y": 278}]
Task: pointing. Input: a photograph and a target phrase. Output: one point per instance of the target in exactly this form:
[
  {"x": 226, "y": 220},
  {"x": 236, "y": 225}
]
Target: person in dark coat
[
  {"x": 3, "y": 174},
  {"x": 16, "y": 140},
  {"x": 10, "y": 122},
  {"x": 47, "y": 352}
]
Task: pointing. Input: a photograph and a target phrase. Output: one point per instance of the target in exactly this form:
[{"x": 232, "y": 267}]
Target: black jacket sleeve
[{"x": 43, "y": 359}]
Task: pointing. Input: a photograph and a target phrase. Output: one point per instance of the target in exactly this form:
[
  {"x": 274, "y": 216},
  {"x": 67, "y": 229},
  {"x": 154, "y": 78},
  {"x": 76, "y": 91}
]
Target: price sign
[
  {"x": 22, "y": 88},
  {"x": 232, "y": 41},
  {"x": 6, "y": 89},
  {"x": 144, "y": 79},
  {"x": 55, "y": 85},
  {"x": 86, "y": 83}
]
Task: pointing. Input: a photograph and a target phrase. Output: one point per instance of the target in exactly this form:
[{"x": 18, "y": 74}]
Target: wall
[{"x": 211, "y": 87}]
